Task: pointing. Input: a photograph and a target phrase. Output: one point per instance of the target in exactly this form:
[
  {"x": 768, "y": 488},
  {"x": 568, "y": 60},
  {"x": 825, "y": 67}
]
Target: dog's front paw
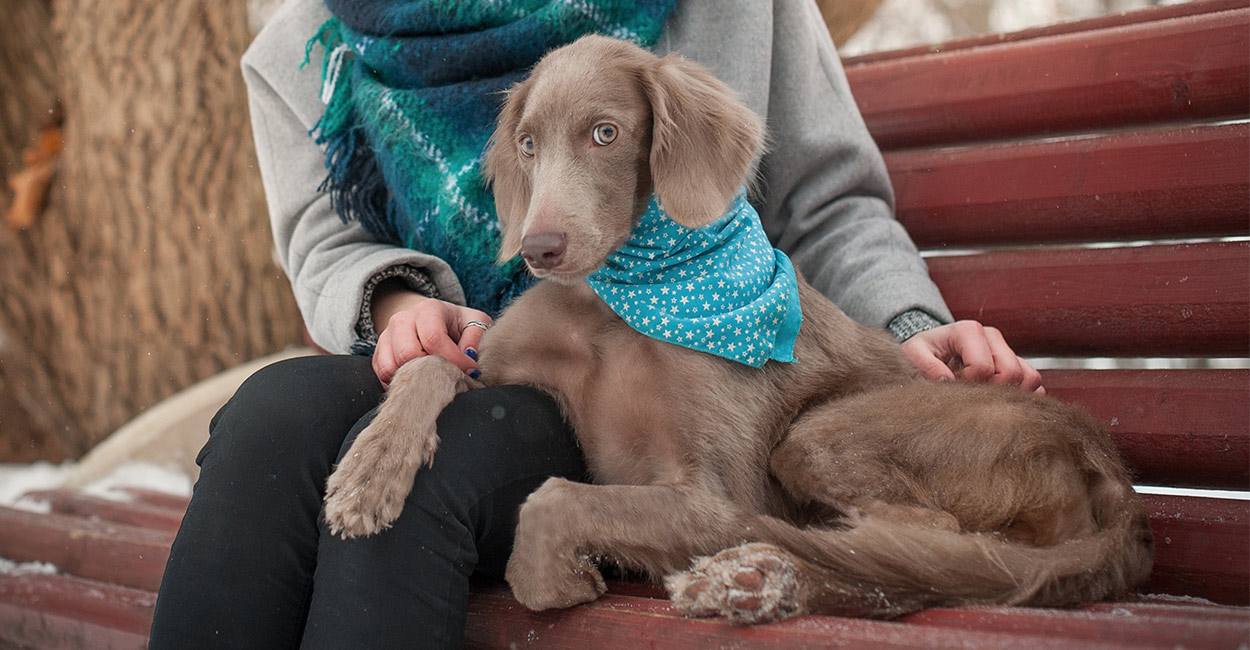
[
  {"x": 555, "y": 586},
  {"x": 545, "y": 570},
  {"x": 366, "y": 492},
  {"x": 752, "y": 583}
]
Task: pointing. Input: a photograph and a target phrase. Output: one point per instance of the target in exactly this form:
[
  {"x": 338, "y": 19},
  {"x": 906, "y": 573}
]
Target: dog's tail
[{"x": 883, "y": 566}]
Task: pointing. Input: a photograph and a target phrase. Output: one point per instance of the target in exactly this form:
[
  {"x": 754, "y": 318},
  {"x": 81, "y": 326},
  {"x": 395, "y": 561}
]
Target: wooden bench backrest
[{"x": 1086, "y": 189}]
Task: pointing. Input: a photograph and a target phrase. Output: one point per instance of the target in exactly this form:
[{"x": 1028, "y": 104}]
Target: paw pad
[{"x": 755, "y": 583}]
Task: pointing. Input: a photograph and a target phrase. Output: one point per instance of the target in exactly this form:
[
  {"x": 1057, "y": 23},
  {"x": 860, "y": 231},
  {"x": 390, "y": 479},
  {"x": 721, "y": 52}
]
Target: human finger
[
  {"x": 435, "y": 328},
  {"x": 923, "y": 357},
  {"x": 1007, "y": 368},
  {"x": 1032, "y": 380},
  {"x": 405, "y": 341},
  {"x": 384, "y": 364},
  {"x": 473, "y": 327},
  {"x": 967, "y": 340}
]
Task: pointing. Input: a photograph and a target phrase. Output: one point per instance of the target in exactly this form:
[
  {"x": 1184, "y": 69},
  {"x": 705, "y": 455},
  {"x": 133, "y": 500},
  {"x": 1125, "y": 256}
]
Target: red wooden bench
[{"x": 1086, "y": 188}]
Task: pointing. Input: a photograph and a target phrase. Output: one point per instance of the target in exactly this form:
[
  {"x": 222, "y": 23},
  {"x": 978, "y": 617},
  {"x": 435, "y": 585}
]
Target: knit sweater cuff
[
  {"x": 911, "y": 323},
  {"x": 413, "y": 277}
]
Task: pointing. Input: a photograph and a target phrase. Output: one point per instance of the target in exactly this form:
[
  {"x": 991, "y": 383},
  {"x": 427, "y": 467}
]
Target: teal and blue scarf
[
  {"x": 412, "y": 88},
  {"x": 722, "y": 289}
]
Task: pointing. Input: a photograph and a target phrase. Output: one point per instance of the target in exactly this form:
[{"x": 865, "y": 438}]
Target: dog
[{"x": 841, "y": 483}]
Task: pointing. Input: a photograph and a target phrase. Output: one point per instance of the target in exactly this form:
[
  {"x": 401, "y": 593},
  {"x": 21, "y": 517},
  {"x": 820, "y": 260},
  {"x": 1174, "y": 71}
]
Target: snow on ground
[{"x": 19, "y": 479}]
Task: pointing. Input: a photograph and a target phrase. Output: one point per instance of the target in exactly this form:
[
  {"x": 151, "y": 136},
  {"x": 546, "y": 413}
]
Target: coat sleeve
[{"x": 332, "y": 265}]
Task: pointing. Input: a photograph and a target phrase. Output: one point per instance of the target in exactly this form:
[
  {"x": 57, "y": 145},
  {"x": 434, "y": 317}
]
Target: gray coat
[{"x": 824, "y": 196}]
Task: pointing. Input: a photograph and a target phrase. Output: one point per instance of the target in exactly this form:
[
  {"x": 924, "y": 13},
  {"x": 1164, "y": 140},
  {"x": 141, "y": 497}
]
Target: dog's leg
[
  {"x": 367, "y": 490},
  {"x": 564, "y": 525}
]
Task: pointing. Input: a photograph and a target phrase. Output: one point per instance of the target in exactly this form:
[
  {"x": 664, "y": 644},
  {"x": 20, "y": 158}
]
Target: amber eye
[
  {"x": 526, "y": 144},
  {"x": 605, "y": 133}
]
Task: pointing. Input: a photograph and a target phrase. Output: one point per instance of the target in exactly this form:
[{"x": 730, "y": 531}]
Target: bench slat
[
  {"x": 59, "y": 611},
  {"x": 70, "y": 502},
  {"x": 1187, "y": 428},
  {"x": 497, "y": 621},
  {"x": 1102, "y": 78},
  {"x": 114, "y": 553},
  {"x": 1201, "y": 547},
  {"x": 1124, "y": 622},
  {"x": 1175, "y": 300},
  {"x": 1136, "y": 16},
  {"x": 1090, "y": 188}
]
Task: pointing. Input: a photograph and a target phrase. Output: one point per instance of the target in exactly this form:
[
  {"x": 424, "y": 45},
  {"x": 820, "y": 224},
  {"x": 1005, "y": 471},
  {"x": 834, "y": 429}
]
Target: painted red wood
[
  {"x": 1177, "y": 300},
  {"x": 69, "y": 502},
  {"x": 1203, "y": 547},
  {"x": 497, "y": 621},
  {"x": 1174, "y": 427},
  {"x": 1206, "y": 627},
  {"x": 1191, "y": 68},
  {"x": 165, "y": 500},
  {"x": 1158, "y": 184},
  {"x": 115, "y": 553},
  {"x": 1150, "y": 14},
  {"x": 58, "y": 611}
]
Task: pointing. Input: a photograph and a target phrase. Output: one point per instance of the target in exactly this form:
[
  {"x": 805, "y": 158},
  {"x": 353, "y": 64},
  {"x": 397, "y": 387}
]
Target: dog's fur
[{"x": 843, "y": 482}]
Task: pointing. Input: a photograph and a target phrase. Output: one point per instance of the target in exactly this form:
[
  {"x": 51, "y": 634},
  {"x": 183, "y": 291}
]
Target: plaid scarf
[{"x": 412, "y": 89}]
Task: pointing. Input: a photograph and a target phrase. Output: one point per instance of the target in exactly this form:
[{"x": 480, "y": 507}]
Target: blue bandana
[{"x": 721, "y": 289}]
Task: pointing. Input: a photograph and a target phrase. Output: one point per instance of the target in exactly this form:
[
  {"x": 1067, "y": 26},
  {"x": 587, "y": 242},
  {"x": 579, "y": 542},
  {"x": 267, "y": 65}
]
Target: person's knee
[
  {"x": 295, "y": 407},
  {"x": 515, "y": 420}
]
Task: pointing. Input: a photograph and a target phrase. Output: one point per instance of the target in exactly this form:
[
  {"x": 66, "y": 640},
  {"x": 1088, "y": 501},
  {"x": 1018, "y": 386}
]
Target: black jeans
[{"x": 254, "y": 566}]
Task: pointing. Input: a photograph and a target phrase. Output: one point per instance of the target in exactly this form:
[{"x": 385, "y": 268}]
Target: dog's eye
[
  {"x": 526, "y": 144},
  {"x": 604, "y": 134}
]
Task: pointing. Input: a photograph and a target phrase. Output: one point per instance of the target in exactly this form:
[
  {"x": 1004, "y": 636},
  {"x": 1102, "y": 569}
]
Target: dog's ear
[
  {"x": 703, "y": 140},
  {"x": 503, "y": 171}
]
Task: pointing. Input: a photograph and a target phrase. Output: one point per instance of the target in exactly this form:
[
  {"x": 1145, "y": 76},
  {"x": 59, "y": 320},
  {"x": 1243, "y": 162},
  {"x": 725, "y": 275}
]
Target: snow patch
[
  {"x": 11, "y": 568},
  {"x": 16, "y": 480}
]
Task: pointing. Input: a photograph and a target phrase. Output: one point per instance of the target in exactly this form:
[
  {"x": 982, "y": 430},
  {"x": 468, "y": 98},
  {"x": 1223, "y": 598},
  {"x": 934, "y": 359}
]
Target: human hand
[
  {"x": 426, "y": 326},
  {"x": 981, "y": 350}
]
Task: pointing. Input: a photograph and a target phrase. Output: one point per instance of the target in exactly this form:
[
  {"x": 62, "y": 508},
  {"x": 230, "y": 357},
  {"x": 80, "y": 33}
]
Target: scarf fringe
[{"x": 356, "y": 186}]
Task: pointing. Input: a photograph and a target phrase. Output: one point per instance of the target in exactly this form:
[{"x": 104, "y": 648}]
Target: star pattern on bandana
[{"x": 721, "y": 289}]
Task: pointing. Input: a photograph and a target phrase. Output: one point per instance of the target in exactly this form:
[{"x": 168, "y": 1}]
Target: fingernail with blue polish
[
  {"x": 475, "y": 373},
  {"x": 471, "y": 353}
]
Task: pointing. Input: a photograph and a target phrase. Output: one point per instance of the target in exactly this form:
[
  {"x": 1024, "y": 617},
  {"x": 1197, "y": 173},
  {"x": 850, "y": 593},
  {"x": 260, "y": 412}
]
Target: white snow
[{"x": 18, "y": 479}]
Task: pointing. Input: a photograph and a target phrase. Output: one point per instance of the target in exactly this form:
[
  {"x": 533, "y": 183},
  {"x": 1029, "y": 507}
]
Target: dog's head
[{"x": 597, "y": 127}]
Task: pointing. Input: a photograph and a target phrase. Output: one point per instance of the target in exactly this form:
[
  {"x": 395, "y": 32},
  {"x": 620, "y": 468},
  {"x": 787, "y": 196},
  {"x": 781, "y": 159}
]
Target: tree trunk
[
  {"x": 152, "y": 267},
  {"x": 845, "y": 17}
]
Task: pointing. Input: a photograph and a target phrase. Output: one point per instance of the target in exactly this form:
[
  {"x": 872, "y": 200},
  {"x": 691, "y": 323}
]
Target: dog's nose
[{"x": 543, "y": 250}]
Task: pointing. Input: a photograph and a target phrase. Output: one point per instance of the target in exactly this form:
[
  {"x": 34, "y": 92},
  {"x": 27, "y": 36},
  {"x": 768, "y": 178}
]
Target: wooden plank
[
  {"x": 1170, "y": 183},
  {"x": 108, "y": 552},
  {"x": 1186, "y": 428},
  {"x": 58, "y": 611},
  {"x": 165, "y": 500},
  {"x": 1133, "y": 74},
  {"x": 1178, "y": 300},
  {"x": 1136, "y": 625},
  {"x": 497, "y": 621},
  {"x": 143, "y": 515},
  {"x": 1149, "y": 14},
  {"x": 1203, "y": 547}
]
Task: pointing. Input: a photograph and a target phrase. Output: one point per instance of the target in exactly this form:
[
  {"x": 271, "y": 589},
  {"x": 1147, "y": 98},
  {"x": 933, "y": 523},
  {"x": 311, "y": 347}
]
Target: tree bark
[
  {"x": 844, "y": 17},
  {"x": 152, "y": 267}
]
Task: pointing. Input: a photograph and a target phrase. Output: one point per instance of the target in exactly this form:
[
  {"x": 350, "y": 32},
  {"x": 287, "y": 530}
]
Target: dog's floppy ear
[
  {"x": 503, "y": 171},
  {"x": 703, "y": 140}
]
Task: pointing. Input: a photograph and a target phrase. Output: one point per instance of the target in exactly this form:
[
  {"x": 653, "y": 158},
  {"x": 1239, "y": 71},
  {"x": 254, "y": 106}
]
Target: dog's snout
[{"x": 543, "y": 250}]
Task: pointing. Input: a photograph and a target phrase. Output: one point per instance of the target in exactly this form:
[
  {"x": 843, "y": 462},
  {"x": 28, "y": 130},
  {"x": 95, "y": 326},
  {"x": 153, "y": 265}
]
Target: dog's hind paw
[{"x": 752, "y": 583}]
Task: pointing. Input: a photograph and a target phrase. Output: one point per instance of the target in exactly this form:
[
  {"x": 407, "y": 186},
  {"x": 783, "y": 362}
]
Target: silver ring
[{"x": 475, "y": 323}]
